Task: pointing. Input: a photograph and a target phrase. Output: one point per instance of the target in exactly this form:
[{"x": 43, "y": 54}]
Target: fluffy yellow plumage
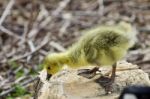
[{"x": 102, "y": 45}]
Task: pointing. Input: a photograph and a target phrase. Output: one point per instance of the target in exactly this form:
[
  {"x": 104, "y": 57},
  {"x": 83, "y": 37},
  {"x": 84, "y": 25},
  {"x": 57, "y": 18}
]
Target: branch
[
  {"x": 45, "y": 41},
  {"x": 7, "y": 11}
]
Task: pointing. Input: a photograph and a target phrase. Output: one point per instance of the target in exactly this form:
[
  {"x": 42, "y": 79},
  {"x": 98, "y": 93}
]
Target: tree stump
[{"x": 68, "y": 85}]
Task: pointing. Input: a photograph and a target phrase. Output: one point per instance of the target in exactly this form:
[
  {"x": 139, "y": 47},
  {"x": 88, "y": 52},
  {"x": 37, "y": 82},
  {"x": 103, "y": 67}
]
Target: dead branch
[{"x": 7, "y": 11}]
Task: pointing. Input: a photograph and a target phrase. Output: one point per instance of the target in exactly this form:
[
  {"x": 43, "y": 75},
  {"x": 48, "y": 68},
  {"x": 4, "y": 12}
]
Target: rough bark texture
[{"x": 68, "y": 85}]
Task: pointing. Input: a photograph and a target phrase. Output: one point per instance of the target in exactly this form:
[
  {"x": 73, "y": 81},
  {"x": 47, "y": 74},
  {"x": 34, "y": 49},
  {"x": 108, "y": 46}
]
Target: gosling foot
[
  {"x": 88, "y": 73},
  {"x": 106, "y": 83}
]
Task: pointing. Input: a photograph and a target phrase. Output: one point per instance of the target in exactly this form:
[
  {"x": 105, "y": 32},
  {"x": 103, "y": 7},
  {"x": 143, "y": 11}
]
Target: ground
[{"x": 29, "y": 29}]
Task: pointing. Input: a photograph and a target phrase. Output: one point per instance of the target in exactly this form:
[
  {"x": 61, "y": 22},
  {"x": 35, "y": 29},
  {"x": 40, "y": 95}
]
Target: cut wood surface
[{"x": 68, "y": 85}]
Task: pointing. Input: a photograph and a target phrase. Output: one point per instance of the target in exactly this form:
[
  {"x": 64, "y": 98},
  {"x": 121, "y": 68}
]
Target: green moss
[
  {"x": 13, "y": 64},
  {"x": 18, "y": 92},
  {"x": 40, "y": 66},
  {"x": 9, "y": 97},
  {"x": 19, "y": 73}
]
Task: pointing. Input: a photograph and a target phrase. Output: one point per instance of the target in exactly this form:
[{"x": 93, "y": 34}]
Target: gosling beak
[{"x": 48, "y": 76}]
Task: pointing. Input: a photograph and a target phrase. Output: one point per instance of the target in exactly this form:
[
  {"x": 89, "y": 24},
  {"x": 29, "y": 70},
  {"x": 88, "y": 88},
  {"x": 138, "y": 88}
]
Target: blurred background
[{"x": 29, "y": 29}]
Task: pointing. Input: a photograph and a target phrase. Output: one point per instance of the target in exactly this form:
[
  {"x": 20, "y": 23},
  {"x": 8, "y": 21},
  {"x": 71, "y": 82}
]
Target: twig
[
  {"x": 31, "y": 45},
  {"x": 3, "y": 82},
  {"x": 37, "y": 27},
  {"x": 41, "y": 15},
  {"x": 120, "y": 69},
  {"x": 6, "y": 11},
  {"x": 32, "y": 48},
  {"x": 45, "y": 41},
  {"x": 142, "y": 62},
  {"x": 20, "y": 79},
  {"x": 37, "y": 88},
  {"x": 18, "y": 69},
  {"x": 61, "y": 6},
  {"x": 57, "y": 46},
  {"x": 144, "y": 29},
  {"x": 33, "y": 15},
  {"x": 9, "y": 32},
  {"x": 3, "y": 17},
  {"x": 85, "y": 13},
  {"x": 25, "y": 84},
  {"x": 43, "y": 52},
  {"x": 67, "y": 21},
  {"x": 47, "y": 20},
  {"x": 35, "y": 30},
  {"x": 101, "y": 7}
]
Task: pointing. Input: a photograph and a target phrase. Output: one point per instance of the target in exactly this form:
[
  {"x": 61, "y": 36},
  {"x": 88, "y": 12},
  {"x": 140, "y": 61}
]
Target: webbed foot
[
  {"x": 88, "y": 73},
  {"x": 106, "y": 83}
]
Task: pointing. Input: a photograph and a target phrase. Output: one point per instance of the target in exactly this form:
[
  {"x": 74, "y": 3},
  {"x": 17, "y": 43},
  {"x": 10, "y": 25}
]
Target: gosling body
[{"x": 102, "y": 45}]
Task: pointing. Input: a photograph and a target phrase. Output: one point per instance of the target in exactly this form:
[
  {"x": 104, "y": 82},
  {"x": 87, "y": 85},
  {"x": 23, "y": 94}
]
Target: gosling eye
[{"x": 49, "y": 68}]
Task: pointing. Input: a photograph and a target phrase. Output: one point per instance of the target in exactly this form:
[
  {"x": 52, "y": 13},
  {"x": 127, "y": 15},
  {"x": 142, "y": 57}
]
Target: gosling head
[{"x": 52, "y": 64}]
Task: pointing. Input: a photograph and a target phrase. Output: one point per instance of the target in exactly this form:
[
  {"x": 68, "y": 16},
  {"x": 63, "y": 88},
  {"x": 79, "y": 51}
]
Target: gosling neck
[{"x": 63, "y": 58}]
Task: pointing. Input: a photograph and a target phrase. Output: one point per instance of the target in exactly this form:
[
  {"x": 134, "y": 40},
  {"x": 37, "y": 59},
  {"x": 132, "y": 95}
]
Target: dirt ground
[{"x": 30, "y": 29}]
